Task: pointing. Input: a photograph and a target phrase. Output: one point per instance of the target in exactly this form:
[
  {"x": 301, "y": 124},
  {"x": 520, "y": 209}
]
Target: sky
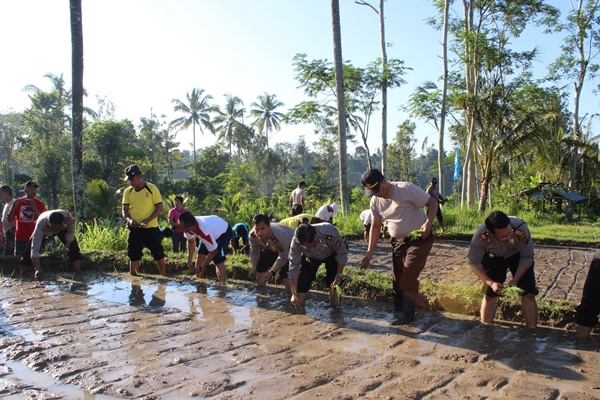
[{"x": 141, "y": 54}]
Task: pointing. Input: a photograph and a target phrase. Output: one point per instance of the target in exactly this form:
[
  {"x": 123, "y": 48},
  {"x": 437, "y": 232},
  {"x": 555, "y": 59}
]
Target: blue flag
[{"x": 456, "y": 166}]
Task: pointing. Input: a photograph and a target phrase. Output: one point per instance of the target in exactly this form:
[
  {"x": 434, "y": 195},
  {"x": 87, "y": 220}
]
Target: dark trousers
[
  {"x": 409, "y": 259},
  {"x": 179, "y": 242},
  {"x": 588, "y": 310},
  {"x": 9, "y": 242}
]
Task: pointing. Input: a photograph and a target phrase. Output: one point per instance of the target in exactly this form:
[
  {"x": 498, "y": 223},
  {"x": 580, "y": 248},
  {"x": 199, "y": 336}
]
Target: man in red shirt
[{"x": 25, "y": 211}]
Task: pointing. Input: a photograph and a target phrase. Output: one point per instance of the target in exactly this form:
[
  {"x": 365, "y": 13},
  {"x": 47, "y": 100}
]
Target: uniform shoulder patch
[
  {"x": 274, "y": 239},
  {"x": 328, "y": 237},
  {"x": 521, "y": 235},
  {"x": 484, "y": 236}
]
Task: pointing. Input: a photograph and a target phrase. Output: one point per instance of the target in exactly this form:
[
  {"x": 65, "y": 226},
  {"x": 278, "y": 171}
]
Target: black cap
[
  {"x": 371, "y": 180},
  {"x": 132, "y": 171},
  {"x": 29, "y": 184}
]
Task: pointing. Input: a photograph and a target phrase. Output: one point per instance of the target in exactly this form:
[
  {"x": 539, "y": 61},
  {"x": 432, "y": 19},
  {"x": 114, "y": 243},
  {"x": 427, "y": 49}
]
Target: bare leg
[
  {"x": 583, "y": 331},
  {"x": 222, "y": 272},
  {"x": 199, "y": 260},
  {"x": 301, "y": 299},
  {"x": 133, "y": 267},
  {"x": 288, "y": 285},
  {"x": 530, "y": 311},
  {"x": 162, "y": 266},
  {"x": 77, "y": 266},
  {"x": 488, "y": 309}
]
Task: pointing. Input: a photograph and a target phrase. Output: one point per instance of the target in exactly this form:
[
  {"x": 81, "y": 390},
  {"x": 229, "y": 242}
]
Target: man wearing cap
[
  {"x": 141, "y": 205},
  {"x": 270, "y": 244},
  {"x": 24, "y": 212},
  {"x": 401, "y": 204},
  {"x": 297, "y": 199},
  {"x": 500, "y": 244},
  {"x": 49, "y": 224},
  {"x": 325, "y": 213},
  {"x": 434, "y": 192},
  {"x": 312, "y": 246},
  {"x": 8, "y": 228}
]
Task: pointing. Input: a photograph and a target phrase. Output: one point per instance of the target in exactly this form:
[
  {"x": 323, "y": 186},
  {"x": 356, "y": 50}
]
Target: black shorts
[
  {"x": 297, "y": 209},
  {"x": 222, "y": 246},
  {"x": 497, "y": 267},
  {"x": 588, "y": 310},
  {"x": 308, "y": 272},
  {"x": 144, "y": 237},
  {"x": 266, "y": 260}
]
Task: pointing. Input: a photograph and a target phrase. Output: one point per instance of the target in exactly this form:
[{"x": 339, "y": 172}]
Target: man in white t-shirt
[
  {"x": 297, "y": 199},
  {"x": 8, "y": 228},
  {"x": 325, "y": 213},
  {"x": 214, "y": 234},
  {"x": 401, "y": 204},
  {"x": 366, "y": 219}
]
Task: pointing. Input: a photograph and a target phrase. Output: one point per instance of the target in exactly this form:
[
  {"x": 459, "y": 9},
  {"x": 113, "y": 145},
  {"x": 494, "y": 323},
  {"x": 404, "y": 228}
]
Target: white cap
[{"x": 335, "y": 208}]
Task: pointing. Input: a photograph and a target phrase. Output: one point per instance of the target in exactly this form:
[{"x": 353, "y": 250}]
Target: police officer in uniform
[
  {"x": 270, "y": 244},
  {"x": 312, "y": 246},
  {"x": 504, "y": 243}
]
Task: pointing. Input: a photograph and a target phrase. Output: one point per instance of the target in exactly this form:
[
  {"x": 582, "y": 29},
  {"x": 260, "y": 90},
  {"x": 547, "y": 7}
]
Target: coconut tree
[
  {"x": 197, "y": 110},
  {"x": 267, "y": 118},
  {"x": 229, "y": 119}
]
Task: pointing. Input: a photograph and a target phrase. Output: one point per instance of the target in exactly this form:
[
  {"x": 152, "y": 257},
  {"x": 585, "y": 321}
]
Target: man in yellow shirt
[{"x": 142, "y": 203}]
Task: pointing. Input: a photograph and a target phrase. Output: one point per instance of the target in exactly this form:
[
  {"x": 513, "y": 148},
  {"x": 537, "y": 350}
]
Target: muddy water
[{"x": 107, "y": 337}]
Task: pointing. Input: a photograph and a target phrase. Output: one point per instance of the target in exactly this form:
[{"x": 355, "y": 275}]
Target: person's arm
[
  {"x": 432, "y": 206},
  {"x": 302, "y": 203},
  {"x": 373, "y": 237},
  {"x": 158, "y": 208},
  {"x": 485, "y": 278},
  {"x": 12, "y": 211},
  {"x": 128, "y": 220}
]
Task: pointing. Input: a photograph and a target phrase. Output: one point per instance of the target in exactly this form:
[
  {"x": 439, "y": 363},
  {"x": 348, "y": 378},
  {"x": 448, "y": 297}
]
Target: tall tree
[
  {"x": 384, "y": 79},
  {"x": 580, "y": 48},
  {"x": 197, "y": 110},
  {"x": 77, "y": 127},
  {"x": 266, "y": 118},
  {"x": 227, "y": 120},
  {"x": 341, "y": 109}
]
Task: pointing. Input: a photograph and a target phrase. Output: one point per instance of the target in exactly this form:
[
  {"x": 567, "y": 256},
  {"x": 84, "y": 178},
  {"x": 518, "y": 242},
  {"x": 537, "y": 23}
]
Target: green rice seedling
[{"x": 416, "y": 234}]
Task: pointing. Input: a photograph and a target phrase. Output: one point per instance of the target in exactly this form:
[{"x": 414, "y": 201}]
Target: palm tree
[
  {"x": 197, "y": 110},
  {"x": 228, "y": 120},
  {"x": 267, "y": 118},
  {"x": 65, "y": 97}
]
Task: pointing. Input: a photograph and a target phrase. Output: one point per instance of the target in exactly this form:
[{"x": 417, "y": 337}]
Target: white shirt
[
  {"x": 366, "y": 217},
  {"x": 208, "y": 229},
  {"x": 324, "y": 214},
  {"x": 6, "y": 226}
]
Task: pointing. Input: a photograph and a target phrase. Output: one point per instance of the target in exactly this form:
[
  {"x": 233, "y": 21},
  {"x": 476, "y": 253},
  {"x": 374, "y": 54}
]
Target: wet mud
[{"x": 116, "y": 337}]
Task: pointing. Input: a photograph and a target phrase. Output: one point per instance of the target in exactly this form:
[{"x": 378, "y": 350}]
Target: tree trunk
[
  {"x": 195, "y": 157},
  {"x": 444, "y": 95},
  {"x": 383, "y": 90},
  {"x": 77, "y": 93},
  {"x": 339, "y": 79}
]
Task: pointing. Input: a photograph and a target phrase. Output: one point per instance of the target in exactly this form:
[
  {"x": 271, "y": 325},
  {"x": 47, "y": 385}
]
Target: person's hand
[
  {"x": 65, "y": 252},
  {"x": 132, "y": 223},
  {"x": 496, "y": 287},
  {"x": 337, "y": 281},
  {"x": 366, "y": 261},
  {"x": 426, "y": 228},
  {"x": 252, "y": 273},
  {"x": 190, "y": 265},
  {"x": 199, "y": 271},
  {"x": 512, "y": 282}
]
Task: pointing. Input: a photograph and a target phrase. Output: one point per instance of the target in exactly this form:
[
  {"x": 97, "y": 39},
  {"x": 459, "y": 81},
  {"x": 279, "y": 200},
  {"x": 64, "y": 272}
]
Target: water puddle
[{"x": 38, "y": 383}]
